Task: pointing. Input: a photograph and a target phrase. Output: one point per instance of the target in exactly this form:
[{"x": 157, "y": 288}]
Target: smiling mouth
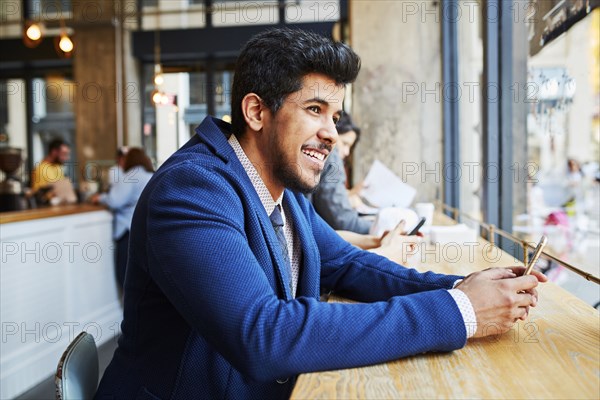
[{"x": 314, "y": 154}]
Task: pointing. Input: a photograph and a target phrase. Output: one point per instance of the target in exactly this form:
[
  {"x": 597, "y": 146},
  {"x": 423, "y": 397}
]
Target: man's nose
[{"x": 328, "y": 133}]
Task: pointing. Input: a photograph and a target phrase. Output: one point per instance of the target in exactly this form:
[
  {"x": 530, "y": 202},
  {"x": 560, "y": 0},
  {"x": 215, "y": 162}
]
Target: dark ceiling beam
[
  {"x": 17, "y": 57},
  {"x": 176, "y": 46},
  {"x": 198, "y": 44}
]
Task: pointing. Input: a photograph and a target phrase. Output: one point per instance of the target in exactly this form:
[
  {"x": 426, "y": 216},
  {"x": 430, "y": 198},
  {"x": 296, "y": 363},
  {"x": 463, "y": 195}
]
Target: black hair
[
  {"x": 273, "y": 63},
  {"x": 56, "y": 144},
  {"x": 122, "y": 151},
  {"x": 345, "y": 125}
]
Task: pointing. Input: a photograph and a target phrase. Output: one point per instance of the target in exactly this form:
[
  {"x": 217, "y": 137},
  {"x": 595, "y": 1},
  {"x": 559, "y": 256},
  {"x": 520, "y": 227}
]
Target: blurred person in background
[
  {"x": 122, "y": 198},
  {"x": 48, "y": 181},
  {"x": 574, "y": 180},
  {"x": 336, "y": 204},
  {"x": 117, "y": 171},
  {"x": 50, "y": 169},
  {"x": 331, "y": 198}
]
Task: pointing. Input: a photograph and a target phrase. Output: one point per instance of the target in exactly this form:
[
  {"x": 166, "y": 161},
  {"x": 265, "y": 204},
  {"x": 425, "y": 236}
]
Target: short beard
[{"x": 290, "y": 177}]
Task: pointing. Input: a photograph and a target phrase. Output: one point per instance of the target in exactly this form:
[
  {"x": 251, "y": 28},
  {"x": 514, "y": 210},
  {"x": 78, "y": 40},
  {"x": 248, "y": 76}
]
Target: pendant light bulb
[
  {"x": 156, "y": 97},
  {"x": 158, "y": 76},
  {"x": 65, "y": 44},
  {"x": 34, "y": 32}
]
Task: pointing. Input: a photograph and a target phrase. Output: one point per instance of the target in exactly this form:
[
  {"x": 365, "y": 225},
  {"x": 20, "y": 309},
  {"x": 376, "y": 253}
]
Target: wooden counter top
[
  {"x": 47, "y": 212},
  {"x": 554, "y": 354}
]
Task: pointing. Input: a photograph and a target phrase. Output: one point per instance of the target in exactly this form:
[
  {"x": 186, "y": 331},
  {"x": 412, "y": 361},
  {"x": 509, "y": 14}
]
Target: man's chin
[{"x": 305, "y": 186}]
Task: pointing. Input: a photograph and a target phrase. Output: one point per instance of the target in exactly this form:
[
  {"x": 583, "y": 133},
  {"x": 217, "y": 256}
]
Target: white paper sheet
[{"x": 383, "y": 188}]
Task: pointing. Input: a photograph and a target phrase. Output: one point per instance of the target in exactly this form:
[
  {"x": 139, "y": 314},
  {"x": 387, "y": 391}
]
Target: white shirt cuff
[{"x": 466, "y": 310}]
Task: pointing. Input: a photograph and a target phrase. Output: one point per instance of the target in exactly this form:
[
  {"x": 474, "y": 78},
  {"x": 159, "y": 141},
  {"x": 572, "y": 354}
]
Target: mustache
[{"x": 318, "y": 146}]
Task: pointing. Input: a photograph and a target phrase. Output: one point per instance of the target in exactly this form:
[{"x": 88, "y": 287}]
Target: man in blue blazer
[{"x": 227, "y": 257}]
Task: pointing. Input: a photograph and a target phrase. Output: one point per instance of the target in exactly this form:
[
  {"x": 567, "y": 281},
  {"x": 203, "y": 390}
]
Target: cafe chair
[{"x": 77, "y": 372}]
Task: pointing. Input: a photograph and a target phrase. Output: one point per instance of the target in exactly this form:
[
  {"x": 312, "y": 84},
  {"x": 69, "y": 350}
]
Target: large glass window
[
  {"x": 168, "y": 126},
  {"x": 563, "y": 145},
  {"x": 52, "y": 103},
  {"x": 555, "y": 95},
  {"x": 49, "y": 9},
  {"x": 470, "y": 50},
  {"x": 13, "y": 121}
]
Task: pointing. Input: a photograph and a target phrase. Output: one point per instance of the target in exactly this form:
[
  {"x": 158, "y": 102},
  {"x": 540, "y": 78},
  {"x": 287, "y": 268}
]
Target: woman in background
[
  {"x": 122, "y": 198},
  {"x": 331, "y": 198}
]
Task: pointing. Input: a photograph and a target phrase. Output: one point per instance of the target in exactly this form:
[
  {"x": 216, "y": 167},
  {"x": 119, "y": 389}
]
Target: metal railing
[{"x": 493, "y": 230}]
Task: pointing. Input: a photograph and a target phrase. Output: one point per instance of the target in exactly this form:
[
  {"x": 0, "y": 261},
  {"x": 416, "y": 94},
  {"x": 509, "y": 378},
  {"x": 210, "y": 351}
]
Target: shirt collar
[{"x": 259, "y": 185}]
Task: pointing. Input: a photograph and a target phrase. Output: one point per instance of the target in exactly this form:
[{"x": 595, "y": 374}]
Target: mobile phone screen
[
  {"x": 416, "y": 228},
  {"x": 536, "y": 255}
]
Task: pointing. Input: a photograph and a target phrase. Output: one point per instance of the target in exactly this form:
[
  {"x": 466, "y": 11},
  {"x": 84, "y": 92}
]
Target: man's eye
[
  {"x": 315, "y": 109},
  {"x": 336, "y": 120}
]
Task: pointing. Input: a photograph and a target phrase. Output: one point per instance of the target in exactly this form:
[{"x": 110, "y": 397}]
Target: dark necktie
[{"x": 277, "y": 222}]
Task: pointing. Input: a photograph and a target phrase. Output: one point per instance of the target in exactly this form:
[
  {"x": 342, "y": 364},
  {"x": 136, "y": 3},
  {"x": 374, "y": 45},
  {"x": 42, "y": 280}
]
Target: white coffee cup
[{"x": 425, "y": 210}]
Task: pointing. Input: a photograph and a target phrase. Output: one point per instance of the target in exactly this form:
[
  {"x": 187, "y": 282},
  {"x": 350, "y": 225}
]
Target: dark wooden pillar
[{"x": 95, "y": 74}]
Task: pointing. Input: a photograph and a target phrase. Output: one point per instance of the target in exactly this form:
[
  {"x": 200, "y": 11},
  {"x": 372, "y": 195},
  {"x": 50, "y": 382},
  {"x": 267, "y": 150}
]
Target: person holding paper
[{"x": 331, "y": 199}]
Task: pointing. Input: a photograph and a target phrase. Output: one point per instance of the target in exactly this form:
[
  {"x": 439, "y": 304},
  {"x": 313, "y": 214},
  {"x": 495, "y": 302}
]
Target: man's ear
[{"x": 253, "y": 111}]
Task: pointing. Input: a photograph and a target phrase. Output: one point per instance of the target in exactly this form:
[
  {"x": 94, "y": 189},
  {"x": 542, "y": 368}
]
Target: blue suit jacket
[{"x": 207, "y": 313}]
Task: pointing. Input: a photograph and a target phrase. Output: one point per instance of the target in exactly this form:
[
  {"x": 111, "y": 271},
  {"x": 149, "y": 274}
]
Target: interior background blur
[{"x": 459, "y": 98}]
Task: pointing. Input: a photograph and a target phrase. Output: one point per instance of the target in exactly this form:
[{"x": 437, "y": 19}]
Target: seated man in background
[
  {"x": 48, "y": 180},
  {"x": 227, "y": 258}
]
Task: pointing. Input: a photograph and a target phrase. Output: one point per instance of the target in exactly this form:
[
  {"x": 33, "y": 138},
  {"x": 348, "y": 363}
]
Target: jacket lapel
[
  {"x": 308, "y": 284},
  {"x": 280, "y": 268},
  {"x": 310, "y": 267}
]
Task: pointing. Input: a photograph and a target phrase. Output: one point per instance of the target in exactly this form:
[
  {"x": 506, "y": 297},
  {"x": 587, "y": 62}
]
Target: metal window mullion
[
  {"x": 450, "y": 104},
  {"x": 491, "y": 116},
  {"x": 505, "y": 204}
]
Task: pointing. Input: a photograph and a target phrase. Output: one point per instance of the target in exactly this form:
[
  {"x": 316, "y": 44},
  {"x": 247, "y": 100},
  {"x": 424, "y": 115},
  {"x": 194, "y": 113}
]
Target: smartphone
[
  {"x": 536, "y": 254},
  {"x": 416, "y": 228}
]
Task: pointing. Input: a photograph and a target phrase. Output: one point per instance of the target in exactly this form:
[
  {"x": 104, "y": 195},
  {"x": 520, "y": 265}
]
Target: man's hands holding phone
[{"x": 500, "y": 297}]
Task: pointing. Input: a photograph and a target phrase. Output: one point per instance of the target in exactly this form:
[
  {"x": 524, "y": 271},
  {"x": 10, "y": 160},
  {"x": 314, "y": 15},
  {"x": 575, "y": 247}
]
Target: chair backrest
[{"x": 77, "y": 372}]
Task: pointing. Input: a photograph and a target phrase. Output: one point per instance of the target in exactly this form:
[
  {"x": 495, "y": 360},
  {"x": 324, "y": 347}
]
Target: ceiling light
[
  {"x": 65, "y": 44},
  {"x": 34, "y": 32},
  {"x": 156, "y": 97}
]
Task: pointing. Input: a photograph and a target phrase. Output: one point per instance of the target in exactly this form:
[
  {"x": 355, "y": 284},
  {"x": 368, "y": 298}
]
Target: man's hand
[{"x": 500, "y": 297}]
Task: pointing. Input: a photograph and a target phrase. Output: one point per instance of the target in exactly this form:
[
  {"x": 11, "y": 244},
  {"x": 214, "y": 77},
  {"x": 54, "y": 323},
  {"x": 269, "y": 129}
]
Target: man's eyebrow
[
  {"x": 317, "y": 100},
  {"x": 322, "y": 101}
]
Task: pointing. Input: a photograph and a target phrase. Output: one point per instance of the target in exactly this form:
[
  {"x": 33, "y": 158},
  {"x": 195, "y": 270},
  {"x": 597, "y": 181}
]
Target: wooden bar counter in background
[
  {"x": 56, "y": 279},
  {"x": 46, "y": 212},
  {"x": 555, "y": 354}
]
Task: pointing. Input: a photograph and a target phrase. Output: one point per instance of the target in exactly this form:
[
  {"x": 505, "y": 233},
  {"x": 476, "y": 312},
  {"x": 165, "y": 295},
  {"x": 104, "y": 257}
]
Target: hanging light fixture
[
  {"x": 33, "y": 32},
  {"x": 64, "y": 44},
  {"x": 158, "y": 96},
  {"x": 158, "y": 76}
]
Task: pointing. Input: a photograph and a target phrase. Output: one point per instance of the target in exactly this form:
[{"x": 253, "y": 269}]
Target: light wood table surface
[{"x": 555, "y": 354}]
